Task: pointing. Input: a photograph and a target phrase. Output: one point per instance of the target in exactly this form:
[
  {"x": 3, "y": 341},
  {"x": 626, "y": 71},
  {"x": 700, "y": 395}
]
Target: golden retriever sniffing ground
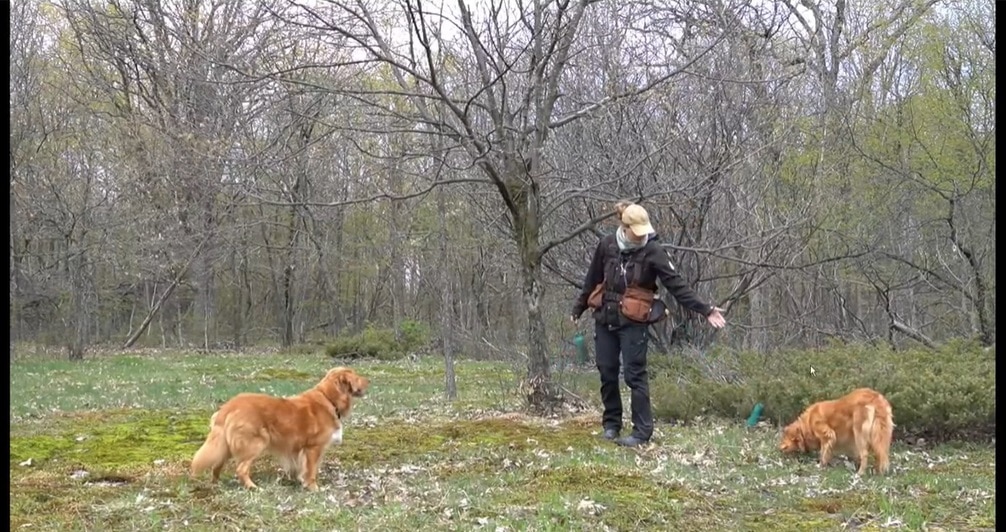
[
  {"x": 296, "y": 430},
  {"x": 855, "y": 424}
]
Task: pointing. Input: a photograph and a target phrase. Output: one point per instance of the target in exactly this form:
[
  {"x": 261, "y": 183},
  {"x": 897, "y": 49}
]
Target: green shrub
[
  {"x": 379, "y": 343},
  {"x": 413, "y": 335},
  {"x": 947, "y": 393},
  {"x": 302, "y": 349}
]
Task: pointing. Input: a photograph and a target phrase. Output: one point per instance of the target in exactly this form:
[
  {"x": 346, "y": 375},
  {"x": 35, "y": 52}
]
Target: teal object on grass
[
  {"x": 581, "y": 348},
  {"x": 755, "y": 414}
]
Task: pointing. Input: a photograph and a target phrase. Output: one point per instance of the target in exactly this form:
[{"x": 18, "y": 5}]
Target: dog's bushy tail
[
  {"x": 882, "y": 433},
  {"x": 214, "y": 452}
]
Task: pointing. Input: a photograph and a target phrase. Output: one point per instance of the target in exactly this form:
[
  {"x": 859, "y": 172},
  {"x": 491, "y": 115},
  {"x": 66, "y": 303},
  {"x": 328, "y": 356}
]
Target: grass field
[{"x": 105, "y": 444}]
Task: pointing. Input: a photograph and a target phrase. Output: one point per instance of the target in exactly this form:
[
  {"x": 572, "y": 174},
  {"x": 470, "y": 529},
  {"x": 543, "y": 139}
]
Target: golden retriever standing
[
  {"x": 859, "y": 422},
  {"x": 297, "y": 429}
]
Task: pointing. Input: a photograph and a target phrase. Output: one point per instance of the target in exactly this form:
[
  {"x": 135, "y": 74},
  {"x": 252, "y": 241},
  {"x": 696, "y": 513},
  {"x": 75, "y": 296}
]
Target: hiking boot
[
  {"x": 630, "y": 441},
  {"x": 610, "y": 434}
]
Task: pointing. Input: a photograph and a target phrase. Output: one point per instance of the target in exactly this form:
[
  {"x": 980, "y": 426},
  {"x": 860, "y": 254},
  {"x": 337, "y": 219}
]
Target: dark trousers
[{"x": 631, "y": 342}]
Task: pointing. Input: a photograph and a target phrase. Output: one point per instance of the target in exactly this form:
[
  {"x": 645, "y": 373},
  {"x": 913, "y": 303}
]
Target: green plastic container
[
  {"x": 581, "y": 349},
  {"x": 755, "y": 414}
]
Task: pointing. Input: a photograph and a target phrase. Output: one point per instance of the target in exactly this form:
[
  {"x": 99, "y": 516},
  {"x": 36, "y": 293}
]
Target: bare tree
[
  {"x": 27, "y": 133},
  {"x": 211, "y": 170},
  {"x": 165, "y": 70},
  {"x": 935, "y": 273},
  {"x": 490, "y": 81}
]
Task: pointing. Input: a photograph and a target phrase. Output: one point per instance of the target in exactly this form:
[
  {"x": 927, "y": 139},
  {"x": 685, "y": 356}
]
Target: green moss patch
[
  {"x": 123, "y": 441},
  {"x": 111, "y": 443},
  {"x": 517, "y": 435},
  {"x": 589, "y": 479},
  {"x": 846, "y": 503},
  {"x": 784, "y": 519},
  {"x": 619, "y": 498},
  {"x": 365, "y": 446}
]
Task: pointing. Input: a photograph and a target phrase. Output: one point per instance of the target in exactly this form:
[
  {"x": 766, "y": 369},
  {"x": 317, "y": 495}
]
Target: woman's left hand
[{"x": 716, "y": 318}]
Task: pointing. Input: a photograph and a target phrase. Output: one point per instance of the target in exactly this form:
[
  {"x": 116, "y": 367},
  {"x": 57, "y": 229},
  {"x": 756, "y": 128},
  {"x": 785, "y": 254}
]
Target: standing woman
[{"x": 620, "y": 287}]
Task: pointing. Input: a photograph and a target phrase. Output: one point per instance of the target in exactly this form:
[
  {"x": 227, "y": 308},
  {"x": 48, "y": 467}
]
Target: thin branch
[
  {"x": 584, "y": 111},
  {"x": 760, "y": 264},
  {"x": 584, "y": 227},
  {"x": 912, "y": 333},
  {"x": 368, "y": 199}
]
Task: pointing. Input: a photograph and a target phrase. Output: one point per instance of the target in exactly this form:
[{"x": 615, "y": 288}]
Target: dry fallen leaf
[{"x": 588, "y": 506}]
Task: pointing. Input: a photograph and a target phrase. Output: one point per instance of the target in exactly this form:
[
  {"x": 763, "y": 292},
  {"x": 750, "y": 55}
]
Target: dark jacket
[{"x": 642, "y": 266}]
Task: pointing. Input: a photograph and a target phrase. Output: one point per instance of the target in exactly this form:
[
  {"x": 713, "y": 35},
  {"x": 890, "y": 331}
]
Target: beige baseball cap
[{"x": 637, "y": 219}]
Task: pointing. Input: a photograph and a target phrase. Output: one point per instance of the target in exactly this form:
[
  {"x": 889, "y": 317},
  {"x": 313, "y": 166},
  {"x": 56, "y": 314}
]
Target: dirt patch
[{"x": 108, "y": 481}]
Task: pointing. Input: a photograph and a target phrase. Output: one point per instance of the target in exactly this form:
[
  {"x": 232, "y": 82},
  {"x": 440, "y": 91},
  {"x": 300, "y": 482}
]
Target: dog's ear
[
  {"x": 791, "y": 439},
  {"x": 799, "y": 442},
  {"x": 336, "y": 372},
  {"x": 354, "y": 383},
  {"x": 329, "y": 384}
]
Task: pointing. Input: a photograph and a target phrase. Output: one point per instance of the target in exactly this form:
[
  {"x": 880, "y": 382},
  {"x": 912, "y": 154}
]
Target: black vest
[{"x": 621, "y": 270}]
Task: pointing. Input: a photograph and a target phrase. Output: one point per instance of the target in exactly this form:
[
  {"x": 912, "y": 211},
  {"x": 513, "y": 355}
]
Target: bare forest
[{"x": 225, "y": 174}]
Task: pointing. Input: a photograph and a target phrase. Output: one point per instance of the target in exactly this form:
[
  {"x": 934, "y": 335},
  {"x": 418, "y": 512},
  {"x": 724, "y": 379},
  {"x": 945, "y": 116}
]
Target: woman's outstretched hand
[{"x": 716, "y": 318}]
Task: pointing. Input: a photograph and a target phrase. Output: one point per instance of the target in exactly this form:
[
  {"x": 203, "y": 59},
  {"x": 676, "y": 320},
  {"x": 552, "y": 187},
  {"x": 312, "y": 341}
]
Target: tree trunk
[
  {"x": 396, "y": 245},
  {"x": 289, "y": 307},
  {"x": 78, "y": 340},
  {"x": 541, "y": 393},
  {"x": 447, "y": 314},
  {"x": 237, "y": 313},
  {"x": 450, "y": 379},
  {"x": 203, "y": 272},
  {"x": 82, "y": 308},
  {"x": 758, "y": 336},
  {"x": 13, "y": 267},
  {"x": 164, "y": 297},
  {"x": 398, "y": 293}
]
